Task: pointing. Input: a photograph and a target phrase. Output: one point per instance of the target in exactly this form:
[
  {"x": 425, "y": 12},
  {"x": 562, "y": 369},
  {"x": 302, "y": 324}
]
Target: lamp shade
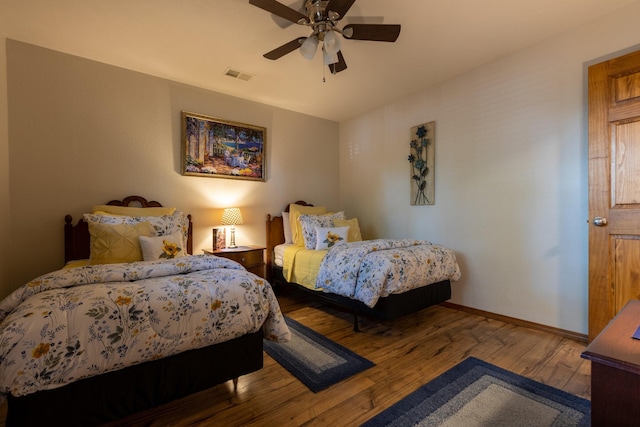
[
  {"x": 329, "y": 58},
  {"x": 309, "y": 47},
  {"x": 232, "y": 216},
  {"x": 331, "y": 42}
]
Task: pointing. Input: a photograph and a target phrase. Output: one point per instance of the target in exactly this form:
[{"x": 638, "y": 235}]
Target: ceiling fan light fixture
[
  {"x": 331, "y": 42},
  {"x": 322, "y": 17},
  {"x": 328, "y": 57},
  {"x": 309, "y": 47}
]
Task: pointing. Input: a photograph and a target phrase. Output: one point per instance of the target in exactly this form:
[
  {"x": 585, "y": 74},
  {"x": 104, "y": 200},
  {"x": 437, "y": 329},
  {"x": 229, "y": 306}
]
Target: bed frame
[
  {"x": 390, "y": 307},
  {"x": 113, "y": 395}
]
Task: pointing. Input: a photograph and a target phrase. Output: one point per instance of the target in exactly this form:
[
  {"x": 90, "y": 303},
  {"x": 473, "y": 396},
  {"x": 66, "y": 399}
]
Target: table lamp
[{"x": 232, "y": 217}]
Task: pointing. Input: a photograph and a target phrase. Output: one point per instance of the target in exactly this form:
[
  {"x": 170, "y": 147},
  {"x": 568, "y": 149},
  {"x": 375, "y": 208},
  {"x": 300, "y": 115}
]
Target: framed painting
[
  {"x": 422, "y": 160},
  {"x": 222, "y": 149}
]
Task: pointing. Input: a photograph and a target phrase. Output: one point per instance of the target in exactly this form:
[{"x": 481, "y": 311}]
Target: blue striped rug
[
  {"x": 475, "y": 393},
  {"x": 314, "y": 359}
]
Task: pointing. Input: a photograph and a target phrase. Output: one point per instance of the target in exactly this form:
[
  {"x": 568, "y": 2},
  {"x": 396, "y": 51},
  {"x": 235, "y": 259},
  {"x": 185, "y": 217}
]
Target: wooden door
[{"x": 614, "y": 188}]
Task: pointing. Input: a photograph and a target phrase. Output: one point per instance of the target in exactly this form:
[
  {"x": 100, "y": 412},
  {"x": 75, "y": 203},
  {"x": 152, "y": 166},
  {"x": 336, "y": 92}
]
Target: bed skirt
[
  {"x": 390, "y": 307},
  {"x": 110, "y": 396}
]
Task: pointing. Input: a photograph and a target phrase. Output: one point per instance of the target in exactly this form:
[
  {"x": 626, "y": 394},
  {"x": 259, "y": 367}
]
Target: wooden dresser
[
  {"x": 615, "y": 370},
  {"x": 251, "y": 257}
]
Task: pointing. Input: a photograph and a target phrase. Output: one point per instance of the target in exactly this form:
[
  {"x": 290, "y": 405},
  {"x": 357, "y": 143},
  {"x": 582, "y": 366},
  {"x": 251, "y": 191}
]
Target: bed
[
  {"x": 317, "y": 276},
  {"x": 137, "y": 348}
]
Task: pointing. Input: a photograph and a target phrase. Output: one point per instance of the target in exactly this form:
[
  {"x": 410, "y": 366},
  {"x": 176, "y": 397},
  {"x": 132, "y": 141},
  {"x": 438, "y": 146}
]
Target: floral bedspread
[
  {"x": 372, "y": 269},
  {"x": 80, "y": 322}
]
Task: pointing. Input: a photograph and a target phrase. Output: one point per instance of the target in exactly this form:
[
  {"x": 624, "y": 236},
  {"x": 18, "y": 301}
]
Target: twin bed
[
  {"x": 103, "y": 339},
  {"x": 382, "y": 278}
]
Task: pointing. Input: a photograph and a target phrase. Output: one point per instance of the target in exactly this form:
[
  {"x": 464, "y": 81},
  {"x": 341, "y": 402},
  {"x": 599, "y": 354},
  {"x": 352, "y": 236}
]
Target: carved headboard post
[
  {"x": 190, "y": 236},
  {"x": 75, "y": 239},
  {"x": 275, "y": 236}
]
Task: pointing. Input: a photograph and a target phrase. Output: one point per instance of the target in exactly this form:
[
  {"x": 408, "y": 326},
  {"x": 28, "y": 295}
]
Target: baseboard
[{"x": 582, "y": 338}]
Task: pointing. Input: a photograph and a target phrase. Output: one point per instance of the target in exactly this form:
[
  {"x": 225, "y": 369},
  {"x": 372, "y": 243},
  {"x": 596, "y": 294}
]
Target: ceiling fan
[{"x": 323, "y": 16}]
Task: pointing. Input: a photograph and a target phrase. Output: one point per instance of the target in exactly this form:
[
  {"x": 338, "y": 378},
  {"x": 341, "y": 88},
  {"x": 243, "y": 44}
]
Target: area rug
[
  {"x": 476, "y": 393},
  {"x": 314, "y": 359}
]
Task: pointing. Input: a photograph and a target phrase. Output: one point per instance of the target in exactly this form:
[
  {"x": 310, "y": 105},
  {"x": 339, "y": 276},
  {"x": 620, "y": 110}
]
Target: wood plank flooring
[{"x": 408, "y": 352}]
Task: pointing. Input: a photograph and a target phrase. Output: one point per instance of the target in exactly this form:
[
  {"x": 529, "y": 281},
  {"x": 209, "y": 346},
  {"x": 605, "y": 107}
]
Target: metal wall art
[{"x": 422, "y": 160}]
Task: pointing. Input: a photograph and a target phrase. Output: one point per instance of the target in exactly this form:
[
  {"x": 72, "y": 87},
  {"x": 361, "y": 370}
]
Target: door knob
[{"x": 600, "y": 221}]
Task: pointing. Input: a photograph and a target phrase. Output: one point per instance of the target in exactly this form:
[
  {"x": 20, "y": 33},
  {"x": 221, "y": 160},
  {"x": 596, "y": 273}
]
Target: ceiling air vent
[{"x": 238, "y": 74}]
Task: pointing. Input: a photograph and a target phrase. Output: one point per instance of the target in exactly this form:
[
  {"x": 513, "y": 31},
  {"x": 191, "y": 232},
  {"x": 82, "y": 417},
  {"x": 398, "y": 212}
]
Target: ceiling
[{"x": 196, "y": 41}]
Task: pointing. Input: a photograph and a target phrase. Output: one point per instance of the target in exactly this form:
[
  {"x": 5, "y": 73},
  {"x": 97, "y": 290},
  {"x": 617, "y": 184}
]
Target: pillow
[
  {"x": 286, "y": 225},
  {"x": 294, "y": 212},
  {"x": 114, "y": 243},
  {"x": 331, "y": 236},
  {"x": 308, "y": 223},
  {"x": 162, "y": 247},
  {"x": 132, "y": 211},
  {"x": 354, "y": 228},
  {"x": 165, "y": 224},
  {"x": 74, "y": 263}
]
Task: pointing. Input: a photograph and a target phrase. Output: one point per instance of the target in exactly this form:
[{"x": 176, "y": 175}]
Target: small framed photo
[{"x": 222, "y": 149}]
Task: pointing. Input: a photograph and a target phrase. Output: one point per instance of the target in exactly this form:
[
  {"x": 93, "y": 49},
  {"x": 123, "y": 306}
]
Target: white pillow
[
  {"x": 308, "y": 224},
  {"x": 331, "y": 236},
  {"x": 162, "y": 247},
  {"x": 288, "y": 235}
]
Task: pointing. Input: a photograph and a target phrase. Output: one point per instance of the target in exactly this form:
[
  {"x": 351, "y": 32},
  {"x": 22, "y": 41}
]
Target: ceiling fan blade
[
  {"x": 281, "y": 51},
  {"x": 296, "y": 5},
  {"x": 373, "y": 32},
  {"x": 341, "y": 65},
  {"x": 341, "y": 7},
  {"x": 279, "y": 9}
]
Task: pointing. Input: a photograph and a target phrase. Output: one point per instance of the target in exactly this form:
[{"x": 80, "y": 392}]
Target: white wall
[
  {"x": 83, "y": 133},
  {"x": 511, "y": 174}
]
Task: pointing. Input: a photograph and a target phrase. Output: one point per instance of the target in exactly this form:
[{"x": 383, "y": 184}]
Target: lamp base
[{"x": 232, "y": 241}]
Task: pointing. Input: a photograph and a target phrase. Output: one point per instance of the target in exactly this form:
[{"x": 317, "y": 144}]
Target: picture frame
[{"x": 218, "y": 148}]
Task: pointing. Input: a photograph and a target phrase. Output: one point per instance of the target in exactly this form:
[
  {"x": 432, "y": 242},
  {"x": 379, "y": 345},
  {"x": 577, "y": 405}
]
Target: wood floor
[{"x": 408, "y": 352}]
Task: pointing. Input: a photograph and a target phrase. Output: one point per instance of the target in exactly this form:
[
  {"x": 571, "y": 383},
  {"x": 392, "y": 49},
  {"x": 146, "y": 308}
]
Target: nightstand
[
  {"x": 251, "y": 257},
  {"x": 615, "y": 370}
]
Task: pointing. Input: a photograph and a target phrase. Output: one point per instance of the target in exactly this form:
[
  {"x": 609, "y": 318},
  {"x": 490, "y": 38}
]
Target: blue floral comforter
[
  {"x": 80, "y": 322},
  {"x": 372, "y": 269}
]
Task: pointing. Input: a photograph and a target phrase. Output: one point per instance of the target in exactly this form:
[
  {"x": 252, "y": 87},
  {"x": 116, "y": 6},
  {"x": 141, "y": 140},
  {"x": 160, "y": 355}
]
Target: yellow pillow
[
  {"x": 74, "y": 263},
  {"x": 294, "y": 213},
  {"x": 354, "y": 228},
  {"x": 114, "y": 243},
  {"x": 132, "y": 211}
]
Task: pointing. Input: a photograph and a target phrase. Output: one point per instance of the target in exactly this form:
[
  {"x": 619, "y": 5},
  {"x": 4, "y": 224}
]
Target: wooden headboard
[
  {"x": 275, "y": 235},
  {"x": 76, "y": 238}
]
